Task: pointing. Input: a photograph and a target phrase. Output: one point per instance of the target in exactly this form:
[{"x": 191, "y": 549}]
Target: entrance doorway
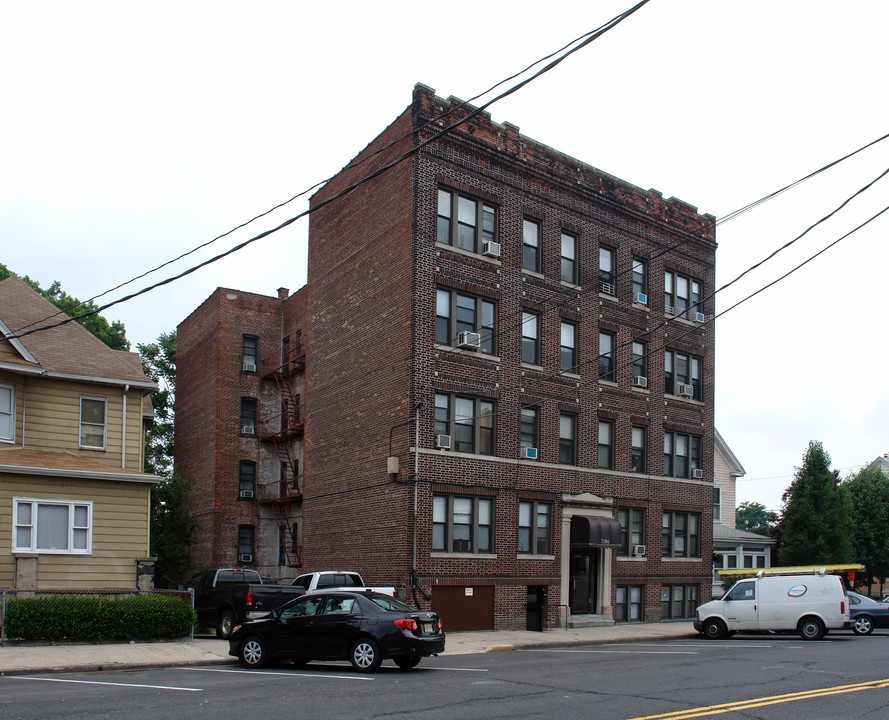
[{"x": 584, "y": 590}]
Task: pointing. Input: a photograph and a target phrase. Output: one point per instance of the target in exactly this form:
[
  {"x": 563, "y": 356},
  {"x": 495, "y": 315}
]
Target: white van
[{"x": 808, "y": 604}]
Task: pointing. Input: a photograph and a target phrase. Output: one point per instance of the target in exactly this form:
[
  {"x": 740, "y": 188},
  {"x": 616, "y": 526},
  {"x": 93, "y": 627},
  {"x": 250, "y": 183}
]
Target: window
[
  {"x": 680, "y": 535},
  {"x": 528, "y": 427},
  {"x": 632, "y": 528},
  {"x": 742, "y": 591},
  {"x": 567, "y": 439},
  {"x": 682, "y": 453},
  {"x": 606, "y": 445},
  {"x": 52, "y": 526},
  {"x": 92, "y": 422},
  {"x": 456, "y": 313},
  {"x": 606, "y": 270},
  {"x": 606, "y": 356},
  {"x": 530, "y": 338},
  {"x": 640, "y": 277},
  {"x": 569, "y": 258},
  {"x": 462, "y": 524},
  {"x": 249, "y": 361},
  {"x": 678, "y": 601},
  {"x": 7, "y": 412},
  {"x": 681, "y": 370},
  {"x": 717, "y": 504},
  {"x": 628, "y": 603},
  {"x": 568, "y": 348},
  {"x": 535, "y": 527},
  {"x": 469, "y": 421},
  {"x": 246, "y": 542},
  {"x": 531, "y": 245},
  {"x": 638, "y": 444},
  {"x": 248, "y": 416},
  {"x": 680, "y": 294},
  {"x": 640, "y": 362},
  {"x": 476, "y": 221},
  {"x": 754, "y": 557},
  {"x": 247, "y": 479}
]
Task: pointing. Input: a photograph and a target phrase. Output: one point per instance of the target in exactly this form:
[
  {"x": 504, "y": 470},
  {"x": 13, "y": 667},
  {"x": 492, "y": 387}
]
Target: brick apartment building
[{"x": 495, "y": 390}]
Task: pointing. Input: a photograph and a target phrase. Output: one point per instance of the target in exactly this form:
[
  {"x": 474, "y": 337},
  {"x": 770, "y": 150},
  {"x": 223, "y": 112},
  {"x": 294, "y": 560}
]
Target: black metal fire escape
[{"x": 284, "y": 496}]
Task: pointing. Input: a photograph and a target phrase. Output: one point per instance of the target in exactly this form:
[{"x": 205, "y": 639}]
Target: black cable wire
[{"x": 590, "y": 37}]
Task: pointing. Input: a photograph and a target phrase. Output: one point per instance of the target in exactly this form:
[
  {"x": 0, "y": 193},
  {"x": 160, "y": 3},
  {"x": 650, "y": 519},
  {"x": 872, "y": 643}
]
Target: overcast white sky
[{"x": 133, "y": 132}]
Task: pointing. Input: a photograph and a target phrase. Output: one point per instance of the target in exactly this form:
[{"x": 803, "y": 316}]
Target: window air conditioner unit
[
  {"x": 443, "y": 442},
  {"x": 697, "y": 474},
  {"x": 245, "y": 558},
  {"x": 700, "y": 317},
  {"x": 249, "y": 367},
  {"x": 668, "y": 309},
  {"x": 686, "y": 390},
  {"x": 490, "y": 248},
  {"x": 248, "y": 429},
  {"x": 246, "y": 494},
  {"x": 469, "y": 340},
  {"x": 638, "y": 550},
  {"x": 640, "y": 381},
  {"x": 529, "y": 453},
  {"x": 641, "y": 298}
]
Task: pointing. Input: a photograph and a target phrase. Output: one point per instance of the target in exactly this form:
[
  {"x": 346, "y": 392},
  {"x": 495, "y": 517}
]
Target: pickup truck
[
  {"x": 225, "y": 597},
  {"x": 336, "y": 580}
]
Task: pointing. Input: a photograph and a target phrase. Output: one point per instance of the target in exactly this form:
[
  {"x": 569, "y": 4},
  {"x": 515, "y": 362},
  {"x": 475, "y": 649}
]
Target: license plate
[{"x": 428, "y": 628}]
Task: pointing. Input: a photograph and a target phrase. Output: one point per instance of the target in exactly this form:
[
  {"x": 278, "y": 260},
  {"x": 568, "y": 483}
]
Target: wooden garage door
[{"x": 464, "y": 607}]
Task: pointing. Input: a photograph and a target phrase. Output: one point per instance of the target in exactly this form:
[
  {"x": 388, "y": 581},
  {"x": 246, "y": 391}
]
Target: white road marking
[
  {"x": 95, "y": 682},
  {"x": 286, "y": 674},
  {"x": 620, "y": 652}
]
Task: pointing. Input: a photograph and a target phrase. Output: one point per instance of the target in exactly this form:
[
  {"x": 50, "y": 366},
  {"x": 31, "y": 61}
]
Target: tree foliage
[
  {"x": 159, "y": 364},
  {"x": 173, "y": 529},
  {"x": 753, "y": 517},
  {"x": 173, "y": 526},
  {"x": 114, "y": 334},
  {"x": 816, "y": 526},
  {"x": 869, "y": 490}
]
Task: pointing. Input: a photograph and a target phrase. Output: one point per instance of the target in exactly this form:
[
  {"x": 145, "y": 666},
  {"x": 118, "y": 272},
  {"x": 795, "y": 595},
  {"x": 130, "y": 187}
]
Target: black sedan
[
  {"x": 362, "y": 627},
  {"x": 867, "y": 614}
]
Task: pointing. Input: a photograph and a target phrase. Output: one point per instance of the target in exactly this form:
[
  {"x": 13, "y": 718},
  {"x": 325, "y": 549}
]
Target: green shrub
[{"x": 86, "y": 617}]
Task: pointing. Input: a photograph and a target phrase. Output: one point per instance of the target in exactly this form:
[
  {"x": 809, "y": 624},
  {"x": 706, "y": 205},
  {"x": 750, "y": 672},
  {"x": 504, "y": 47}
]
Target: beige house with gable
[
  {"x": 74, "y": 502},
  {"x": 734, "y": 548}
]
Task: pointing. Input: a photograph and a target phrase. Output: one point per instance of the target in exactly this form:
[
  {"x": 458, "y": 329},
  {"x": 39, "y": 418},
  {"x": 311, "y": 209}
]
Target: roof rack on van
[{"x": 844, "y": 569}]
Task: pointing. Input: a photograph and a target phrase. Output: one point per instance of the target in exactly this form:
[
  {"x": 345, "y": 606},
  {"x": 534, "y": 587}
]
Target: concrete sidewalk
[{"x": 19, "y": 660}]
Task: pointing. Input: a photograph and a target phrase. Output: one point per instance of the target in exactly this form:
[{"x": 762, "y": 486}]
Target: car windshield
[{"x": 391, "y": 604}]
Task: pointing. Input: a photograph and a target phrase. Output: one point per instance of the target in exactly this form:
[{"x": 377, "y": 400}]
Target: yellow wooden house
[{"x": 74, "y": 502}]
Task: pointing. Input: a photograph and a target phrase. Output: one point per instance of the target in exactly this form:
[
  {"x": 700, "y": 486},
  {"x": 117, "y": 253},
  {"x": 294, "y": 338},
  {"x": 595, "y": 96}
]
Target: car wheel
[
  {"x": 253, "y": 653},
  {"x": 406, "y": 663},
  {"x": 714, "y": 629},
  {"x": 811, "y": 628},
  {"x": 225, "y": 625},
  {"x": 862, "y": 625},
  {"x": 365, "y": 656}
]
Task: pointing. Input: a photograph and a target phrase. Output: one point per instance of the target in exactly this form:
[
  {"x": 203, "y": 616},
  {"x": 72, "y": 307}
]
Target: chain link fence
[{"x": 51, "y": 616}]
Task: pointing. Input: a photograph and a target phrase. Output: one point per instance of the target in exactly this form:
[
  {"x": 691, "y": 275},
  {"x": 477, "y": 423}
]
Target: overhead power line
[{"x": 594, "y": 35}]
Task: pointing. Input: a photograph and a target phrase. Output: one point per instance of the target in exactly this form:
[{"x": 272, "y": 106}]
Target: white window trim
[
  {"x": 11, "y": 437},
  {"x": 70, "y": 504},
  {"x": 104, "y": 424}
]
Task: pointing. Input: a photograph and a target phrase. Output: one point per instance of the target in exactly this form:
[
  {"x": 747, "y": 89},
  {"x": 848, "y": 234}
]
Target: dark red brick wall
[{"x": 368, "y": 318}]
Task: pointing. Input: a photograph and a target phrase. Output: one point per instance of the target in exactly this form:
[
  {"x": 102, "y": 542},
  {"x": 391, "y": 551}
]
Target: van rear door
[{"x": 740, "y": 606}]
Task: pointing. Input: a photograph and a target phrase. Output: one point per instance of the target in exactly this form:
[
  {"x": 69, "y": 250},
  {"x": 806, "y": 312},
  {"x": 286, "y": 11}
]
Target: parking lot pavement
[{"x": 205, "y": 650}]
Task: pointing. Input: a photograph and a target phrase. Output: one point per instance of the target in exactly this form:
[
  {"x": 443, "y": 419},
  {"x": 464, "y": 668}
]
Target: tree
[
  {"x": 159, "y": 364},
  {"x": 753, "y": 517},
  {"x": 173, "y": 527},
  {"x": 114, "y": 335},
  {"x": 817, "y": 526},
  {"x": 869, "y": 490}
]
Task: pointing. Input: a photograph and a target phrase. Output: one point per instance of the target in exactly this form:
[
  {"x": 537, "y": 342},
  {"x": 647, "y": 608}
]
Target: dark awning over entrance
[{"x": 594, "y": 531}]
